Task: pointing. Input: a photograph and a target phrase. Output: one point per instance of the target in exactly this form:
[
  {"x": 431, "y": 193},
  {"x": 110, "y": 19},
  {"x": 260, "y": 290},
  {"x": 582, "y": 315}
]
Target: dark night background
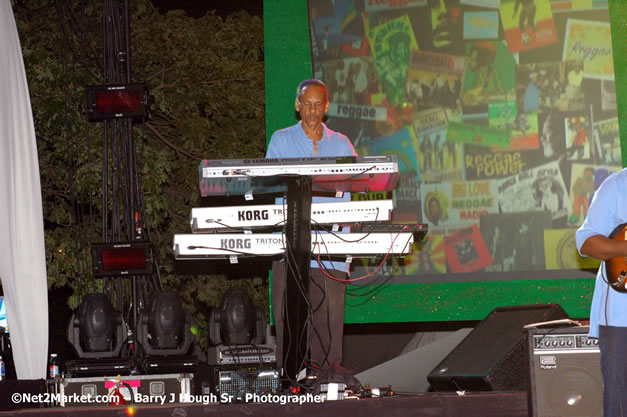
[
  {"x": 57, "y": 298},
  {"x": 197, "y": 8}
]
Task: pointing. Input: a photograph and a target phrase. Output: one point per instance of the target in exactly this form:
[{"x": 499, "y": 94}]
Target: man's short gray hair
[{"x": 301, "y": 87}]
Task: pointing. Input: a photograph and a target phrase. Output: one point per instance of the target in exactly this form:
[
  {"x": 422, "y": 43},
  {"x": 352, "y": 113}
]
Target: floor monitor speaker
[{"x": 492, "y": 356}]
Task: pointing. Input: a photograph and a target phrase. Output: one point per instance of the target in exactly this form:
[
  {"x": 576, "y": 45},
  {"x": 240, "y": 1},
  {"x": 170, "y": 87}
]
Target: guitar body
[{"x": 616, "y": 268}]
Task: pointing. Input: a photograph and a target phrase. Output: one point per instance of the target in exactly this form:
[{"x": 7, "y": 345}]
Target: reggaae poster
[
  {"x": 435, "y": 80},
  {"x": 489, "y": 76},
  {"x": 515, "y": 241},
  {"x": 391, "y": 44},
  {"x": 536, "y": 189},
  {"x": 466, "y": 250},
  {"x": 588, "y": 41},
  {"x": 527, "y": 24},
  {"x": 453, "y": 205},
  {"x": 607, "y": 141},
  {"x": 490, "y": 164}
]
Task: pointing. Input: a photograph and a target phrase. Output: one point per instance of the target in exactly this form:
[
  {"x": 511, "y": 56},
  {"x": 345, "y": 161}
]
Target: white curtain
[{"x": 22, "y": 255}]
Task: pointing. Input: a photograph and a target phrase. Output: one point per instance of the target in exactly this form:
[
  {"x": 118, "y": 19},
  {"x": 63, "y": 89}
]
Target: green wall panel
[
  {"x": 287, "y": 59},
  {"x": 618, "y": 20},
  {"x": 462, "y": 300}
]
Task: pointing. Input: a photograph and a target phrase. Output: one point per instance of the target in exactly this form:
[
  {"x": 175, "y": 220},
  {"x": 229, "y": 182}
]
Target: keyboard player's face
[{"x": 312, "y": 106}]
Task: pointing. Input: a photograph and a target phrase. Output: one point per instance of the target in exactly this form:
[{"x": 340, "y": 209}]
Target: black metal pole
[{"x": 297, "y": 262}]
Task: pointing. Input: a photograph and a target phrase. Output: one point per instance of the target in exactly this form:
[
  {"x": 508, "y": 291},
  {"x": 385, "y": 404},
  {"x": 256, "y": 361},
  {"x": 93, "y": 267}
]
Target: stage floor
[{"x": 486, "y": 404}]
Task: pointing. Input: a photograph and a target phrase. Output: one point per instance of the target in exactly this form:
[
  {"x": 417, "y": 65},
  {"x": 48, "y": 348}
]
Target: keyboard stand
[{"x": 297, "y": 265}]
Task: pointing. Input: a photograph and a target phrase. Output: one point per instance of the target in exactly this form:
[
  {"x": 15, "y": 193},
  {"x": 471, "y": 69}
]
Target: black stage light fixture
[
  {"x": 105, "y": 102},
  {"x": 238, "y": 321},
  {"x": 164, "y": 327},
  {"x": 121, "y": 258},
  {"x": 96, "y": 330}
]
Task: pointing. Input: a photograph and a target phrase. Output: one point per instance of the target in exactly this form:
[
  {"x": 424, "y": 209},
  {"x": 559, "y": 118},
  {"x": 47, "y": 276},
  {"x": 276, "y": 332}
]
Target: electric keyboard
[
  {"x": 396, "y": 239},
  {"x": 234, "y": 218},
  {"x": 329, "y": 174}
]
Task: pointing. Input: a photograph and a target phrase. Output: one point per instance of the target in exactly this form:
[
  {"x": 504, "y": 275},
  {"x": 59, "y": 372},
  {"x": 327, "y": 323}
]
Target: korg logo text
[
  {"x": 244, "y": 215},
  {"x": 235, "y": 243}
]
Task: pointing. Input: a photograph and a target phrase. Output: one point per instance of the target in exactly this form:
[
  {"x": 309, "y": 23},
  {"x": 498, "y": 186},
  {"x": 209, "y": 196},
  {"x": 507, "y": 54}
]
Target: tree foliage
[{"x": 206, "y": 76}]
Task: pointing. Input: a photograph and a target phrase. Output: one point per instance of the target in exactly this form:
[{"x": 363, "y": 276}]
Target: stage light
[
  {"x": 164, "y": 327},
  {"x": 96, "y": 330},
  {"x": 121, "y": 258},
  {"x": 106, "y": 102},
  {"x": 238, "y": 321}
]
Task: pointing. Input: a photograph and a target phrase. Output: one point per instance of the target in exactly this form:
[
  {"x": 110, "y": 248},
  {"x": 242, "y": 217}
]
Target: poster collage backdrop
[{"x": 502, "y": 115}]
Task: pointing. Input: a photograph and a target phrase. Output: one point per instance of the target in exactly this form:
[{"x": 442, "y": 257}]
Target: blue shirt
[
  {"x": 607, "y": 210},
  {"x": 293, "y": 142}
]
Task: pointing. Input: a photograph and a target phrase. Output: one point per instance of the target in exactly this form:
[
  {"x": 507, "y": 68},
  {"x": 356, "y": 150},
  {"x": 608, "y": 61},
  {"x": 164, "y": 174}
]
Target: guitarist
[{"x": 608, "y": 314}]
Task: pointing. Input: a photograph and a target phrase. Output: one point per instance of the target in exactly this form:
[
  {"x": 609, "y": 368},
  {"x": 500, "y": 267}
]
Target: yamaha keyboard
[
  {"x": 328, "y": 174},
  {"x": 371, "y": 241},
  {"x": 237, "y": 218}
]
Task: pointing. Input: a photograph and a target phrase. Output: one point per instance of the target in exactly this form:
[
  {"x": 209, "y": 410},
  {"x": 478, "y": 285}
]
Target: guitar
[{"x": 616, "y": 268}]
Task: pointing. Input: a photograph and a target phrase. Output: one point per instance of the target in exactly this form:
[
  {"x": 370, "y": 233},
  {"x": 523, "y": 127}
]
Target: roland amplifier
[{"x": 564, "y": 373}]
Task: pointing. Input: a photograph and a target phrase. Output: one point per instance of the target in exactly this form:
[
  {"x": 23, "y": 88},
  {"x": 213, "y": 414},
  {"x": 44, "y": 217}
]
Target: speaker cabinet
[
  {"x": 492, "y": 356},
  {"x": 564, "y": 373}
]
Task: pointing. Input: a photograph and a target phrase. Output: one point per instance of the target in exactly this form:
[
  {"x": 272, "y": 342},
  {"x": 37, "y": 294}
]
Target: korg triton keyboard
[
  {"x": 370, "y": 241},
  {"x": 269, "y": 216}
]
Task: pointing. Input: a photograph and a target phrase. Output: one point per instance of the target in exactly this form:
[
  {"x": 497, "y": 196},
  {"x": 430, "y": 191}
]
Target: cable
[{"x": 371, "y": 273}]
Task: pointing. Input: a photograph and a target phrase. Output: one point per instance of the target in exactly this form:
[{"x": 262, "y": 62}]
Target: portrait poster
[
  {"x": 577, "y": 138},
  {"x": 560, "y": 251},
  {"x": 446, "y": 25},
  {"x": 466, "y": 250},
  {"x": 457, "y": 204},
  {"x": 406, "y": 195},
  {"x": 437, "y": 157},
  {"x": 585, "y": 180},
  {"x": 489, "y": 76},
  {"x": 435, "y": 80},
  {"x": 428, "y": 256},
  {"x": 588, "y": 41},
  {"x": 527, "y": 24},
  {"x": 606, "y": 138},
  {"x": 391, "y": 44},
  {"x": 582, "y": 187},
  {"x": 351, "y": 81},
  {"x": 537, "y": 189},
  {"x": 550, "y": 86},
  {"x": 525, "y": 132},
  {"x": 515, "y": 241},
  {"x": 608, "y": 95},
  {"x": 552, "y": 136}
]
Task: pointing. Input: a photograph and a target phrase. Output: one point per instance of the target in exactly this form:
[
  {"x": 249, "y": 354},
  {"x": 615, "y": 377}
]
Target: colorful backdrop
[{"x": 504, "y": 120}]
